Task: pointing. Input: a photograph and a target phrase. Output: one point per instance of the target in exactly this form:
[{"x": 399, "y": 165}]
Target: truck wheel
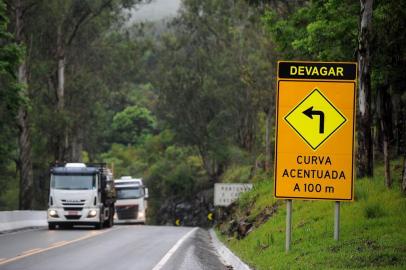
[
  {"x": 51, "y": 226},
  {"x": 99, "y": 225},
  {"x": 109, "y": 222},
  {"x": 66, "y": 226}
]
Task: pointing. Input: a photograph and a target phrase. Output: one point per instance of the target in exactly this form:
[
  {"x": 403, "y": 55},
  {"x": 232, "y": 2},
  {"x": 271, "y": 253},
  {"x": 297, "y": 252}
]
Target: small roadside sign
[
  {"x": 225, "y": 194},
  {"x": 315, "y": 123}
]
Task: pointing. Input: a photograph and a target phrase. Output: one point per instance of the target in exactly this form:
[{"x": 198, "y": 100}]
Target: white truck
[
  {"x": 81, "y": 194},
  {"x": 131, "y": 202}
]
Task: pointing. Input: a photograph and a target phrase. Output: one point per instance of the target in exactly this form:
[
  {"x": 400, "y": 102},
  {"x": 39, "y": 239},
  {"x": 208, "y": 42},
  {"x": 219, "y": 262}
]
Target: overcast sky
[{"x": 156, "y": 10}]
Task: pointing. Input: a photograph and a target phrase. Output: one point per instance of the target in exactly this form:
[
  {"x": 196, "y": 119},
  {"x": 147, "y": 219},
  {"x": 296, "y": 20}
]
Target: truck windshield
[
  {"x": 73, "y": 182},
  {"x": 129, "y": 193}
]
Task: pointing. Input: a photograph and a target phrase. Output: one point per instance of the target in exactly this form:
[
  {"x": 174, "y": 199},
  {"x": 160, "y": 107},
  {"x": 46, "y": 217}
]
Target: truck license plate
[{"x": 73, "y": 213}]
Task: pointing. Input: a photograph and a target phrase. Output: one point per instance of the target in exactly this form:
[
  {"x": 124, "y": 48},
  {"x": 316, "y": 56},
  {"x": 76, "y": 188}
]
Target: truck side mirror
[{"x": 146, "y": 193}]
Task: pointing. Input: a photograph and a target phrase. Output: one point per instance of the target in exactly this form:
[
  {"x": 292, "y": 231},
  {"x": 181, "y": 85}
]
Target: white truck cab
[
  {"x": 81, "y": 194},
  {"x": 131, "y": 204}
]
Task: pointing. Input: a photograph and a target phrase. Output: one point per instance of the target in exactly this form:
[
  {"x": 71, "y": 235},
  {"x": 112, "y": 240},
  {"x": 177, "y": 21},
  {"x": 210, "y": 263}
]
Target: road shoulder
[{"x": 227, "y": 256}]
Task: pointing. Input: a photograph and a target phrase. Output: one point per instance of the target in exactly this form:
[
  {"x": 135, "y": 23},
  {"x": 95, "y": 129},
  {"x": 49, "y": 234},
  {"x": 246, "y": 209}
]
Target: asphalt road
[{"x": 133, "y": 247}]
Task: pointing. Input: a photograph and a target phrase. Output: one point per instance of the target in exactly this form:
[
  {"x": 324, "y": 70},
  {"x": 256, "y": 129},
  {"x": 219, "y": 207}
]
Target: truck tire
[
  {"x": 99, "y": 225},
  {"x": 109, "y": 222},
  {"x": 66, "y": 226},
  {"x": 111, "y": 217}
]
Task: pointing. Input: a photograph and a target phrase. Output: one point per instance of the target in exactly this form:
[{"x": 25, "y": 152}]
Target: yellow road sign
[
  {"x": 210, "y": 216},
  {"x": 315, "y": 130},
  {"x": 315, "y": 118}
]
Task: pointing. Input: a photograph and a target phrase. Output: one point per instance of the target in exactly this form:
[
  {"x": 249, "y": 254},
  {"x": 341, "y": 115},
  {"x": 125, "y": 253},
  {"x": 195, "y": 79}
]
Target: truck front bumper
[
  {"x": 85, "y": 215},
  {"x": 140, "y": 219}
]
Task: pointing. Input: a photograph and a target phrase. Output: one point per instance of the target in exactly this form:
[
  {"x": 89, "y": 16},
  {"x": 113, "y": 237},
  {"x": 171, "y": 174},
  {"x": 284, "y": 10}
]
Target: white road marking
[{"x": 168, "y": 255}]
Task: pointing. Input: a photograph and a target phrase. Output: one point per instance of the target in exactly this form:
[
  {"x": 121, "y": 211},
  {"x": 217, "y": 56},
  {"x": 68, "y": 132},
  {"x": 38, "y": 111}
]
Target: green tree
[
  {"x": 387, "y": 79},
  {"x": 211, "y": 96},
  {"x": 11, "y": 99},
  {"x": 132, "y": 125},
  {"x": 317, "y": 30},
  {"x": 82, "y": 123},
  {"x": 125, "y": 160}
]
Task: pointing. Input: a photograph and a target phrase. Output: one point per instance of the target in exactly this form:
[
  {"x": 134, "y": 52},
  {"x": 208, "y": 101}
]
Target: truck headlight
[
  {"x": 53, "y": 213},
  {"x": 92, "y": 213},
  {"x": 141, "y": 214}
]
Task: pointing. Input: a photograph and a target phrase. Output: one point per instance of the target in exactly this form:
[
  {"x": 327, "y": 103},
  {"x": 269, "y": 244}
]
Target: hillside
[{"x": 373, "y": 229}]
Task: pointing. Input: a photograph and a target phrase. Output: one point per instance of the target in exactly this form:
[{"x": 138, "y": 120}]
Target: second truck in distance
[{"x": 131, "y": 204}]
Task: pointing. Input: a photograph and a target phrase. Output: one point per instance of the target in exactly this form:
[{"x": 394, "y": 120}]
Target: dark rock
[
  {"x": 243, "y": 229},
  {"x": 192, "y": 212}
]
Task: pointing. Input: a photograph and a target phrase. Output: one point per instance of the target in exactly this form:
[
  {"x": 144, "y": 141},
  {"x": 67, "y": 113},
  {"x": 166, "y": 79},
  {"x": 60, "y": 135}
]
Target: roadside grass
[{"x": 372, "y": 233}]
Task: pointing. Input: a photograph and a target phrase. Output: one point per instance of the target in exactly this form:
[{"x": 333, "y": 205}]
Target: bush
[
  {"x": 373, "y": 210},
  {"x": 237, "y": 174}
]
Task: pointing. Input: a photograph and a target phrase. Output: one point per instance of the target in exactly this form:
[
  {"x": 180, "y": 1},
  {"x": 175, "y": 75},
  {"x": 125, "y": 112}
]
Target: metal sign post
[
  {"x": 288, "y": 225},
  {"x": 337, "y": 221}
]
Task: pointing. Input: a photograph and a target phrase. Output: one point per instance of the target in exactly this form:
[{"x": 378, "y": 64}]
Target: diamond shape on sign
[{"x": 315, "y": 119}]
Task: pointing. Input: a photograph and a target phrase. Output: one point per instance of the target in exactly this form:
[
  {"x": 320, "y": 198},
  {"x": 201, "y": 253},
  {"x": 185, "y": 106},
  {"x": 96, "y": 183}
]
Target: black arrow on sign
[{"x": 309, "y": 113}]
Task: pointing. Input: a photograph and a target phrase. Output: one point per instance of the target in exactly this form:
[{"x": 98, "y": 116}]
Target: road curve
[{"x": 121, "y": 247}]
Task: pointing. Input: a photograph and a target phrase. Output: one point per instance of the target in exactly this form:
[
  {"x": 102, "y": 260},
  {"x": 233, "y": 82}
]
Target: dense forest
[{"x": 184, "y": 102}]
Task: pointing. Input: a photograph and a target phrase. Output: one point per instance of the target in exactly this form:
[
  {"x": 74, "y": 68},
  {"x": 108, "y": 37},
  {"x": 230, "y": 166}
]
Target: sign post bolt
[
  {"x": 288, "y": 224},
  {"x": 337, "y": 221}
]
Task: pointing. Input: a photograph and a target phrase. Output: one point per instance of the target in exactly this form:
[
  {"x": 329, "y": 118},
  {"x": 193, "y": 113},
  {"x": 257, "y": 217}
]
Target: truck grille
[
  {"x": 127, "y": 211},
  {"x": 73, "y": 203},
  {"x": 70, "y": 217},
  {"x": 73, "y": 208}
]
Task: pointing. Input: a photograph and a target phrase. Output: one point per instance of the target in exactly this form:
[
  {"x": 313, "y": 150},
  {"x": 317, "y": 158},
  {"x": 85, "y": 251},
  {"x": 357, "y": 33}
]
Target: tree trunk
[
  {"x": 385, "y": 118},
  {"x": 377, "y": 136},
  {"x": 388, "y": 179},
  {"x": 76, "y": 147},
  {"x": 24, "y": 142},
  {"x": 365, "y": 146},
  {"x": 63, "y": 142},
  {"x": 213, "y": 168},
  {"x": 268, "y": 141},
  {"x": 400, "y": 128},
  {"x": 60, "y": 91},
  {"x": 26, "y": 195},
  {"x": 404, "y": 175},
  {"x": 268, "y": 146}
]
